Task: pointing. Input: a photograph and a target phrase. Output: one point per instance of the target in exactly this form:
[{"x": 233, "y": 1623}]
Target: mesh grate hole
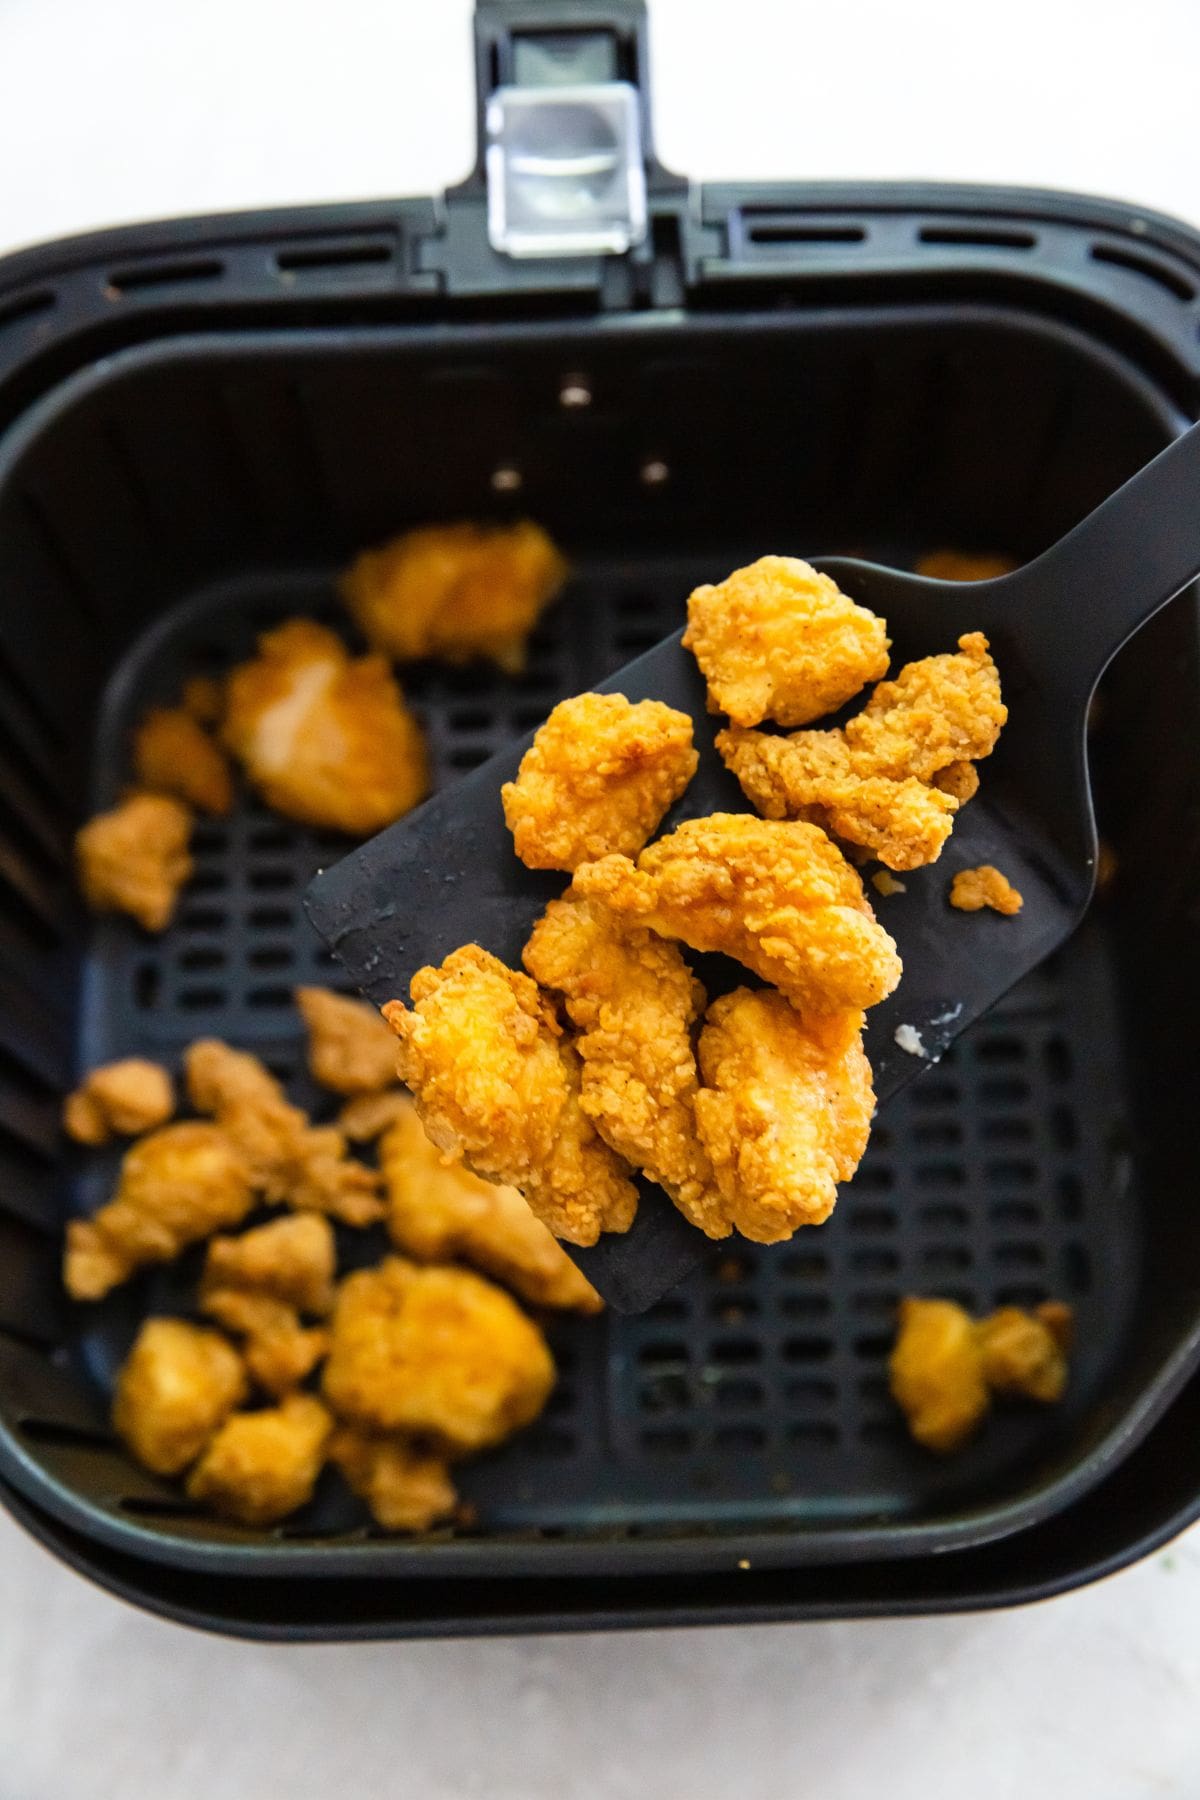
[
  {"x": 266, "y": 881},
  {"x": 467, "y": 757},
  {"x": 874, "y": 1262},
  {"x": 147, "y": 986},
  {"x": 732, "y": 1309},
  {"x": 209, "y": 881},
  {"x": 929, "y": 1093},
  {"x": 201, "y": 999},
  {"x": 1058, "y": 1060},
  {"x": 665, "y": 1393},
  {"x": 270, "y": 956},
  {"x": 1019, "y": 1256},
  {"x": 1064, "y": 1128},
  {"x": 940, "y": 1174},
  {"x": 1070, "y": 1198},
  {"x": 740, "y": 1437},
  {"x": 740, "y": 1393},
  {"x": 198, "y": 960},
  {"x": 1013, "y": 1172},
  {"x": 872, "y": 1304},
  {"x": 666, "y": 1443},
  {"x": 806, "y": 1265},
  {"x": 267, "y": 998},
  {"x": 735, "y": 1352},
  {"x": 810, "y": 1390},
  {"x": 873, "y": 1346},
  {"x": 203, "y": 918},
  {"x": 668, "y": 1309},
  {"x": 807, "y": 1349},
  {"x": 874, "y": 1178},
  {"x": 945, "y": 1259},
  {"x": 872, "y": 1218},
  {"x": 805, "y": 1306},
  {"x": 1013, "y": 1212},
  {"x": 270, "y": 837},
  {"x": 1000, "y": 1050},
  {"x": 666, "y": 1352},
  {"x": 1004, "y": 1091},
  {"x": 813, "y": 1434},
  {"x": 873, "y": 1389},
  {"x": 271, "y": 918},
  {"x": 731, "y": 1270},
  {"x": 1027, "y": 1294},
  {"x": 882, "y": 1431},
  {"x": 937, "y": 1134},
  {"x": 944, "y": 1215},
  {"x": 1076, "y": 1267},
  {"x": 1006, "y": 1131}
]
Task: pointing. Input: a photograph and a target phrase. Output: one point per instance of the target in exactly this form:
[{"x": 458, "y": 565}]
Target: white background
[{"x": 112, "y": 110}]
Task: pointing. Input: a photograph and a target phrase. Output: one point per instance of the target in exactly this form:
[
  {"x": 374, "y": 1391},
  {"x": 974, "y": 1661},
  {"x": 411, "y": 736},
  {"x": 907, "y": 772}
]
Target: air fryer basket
[{"x": 204, "y": 421}]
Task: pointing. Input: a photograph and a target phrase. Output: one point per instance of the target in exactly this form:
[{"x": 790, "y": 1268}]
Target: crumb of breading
[
  {"x": 909, "y": 1039},
  {"x": 964, "y": 565},
  {"x": 1024, "y": 1353},
  {"x": 261, "y": 1466},
  {"x": 176, "y": 1186},
  {"x": 598, "y": 777},
  {"x": 367, "y": 1116},
  {"x": 778, "y": 641},
  {"x": 938, "y": 711},
  {"x": 135, "y": 858},
  {"x": 785, "y": 1110},
  {"x": 885, "y": 883},
  {"x": 350, "y": 1048},
  {"x": 172, "y": 754},
  {"x": 203, "y": 696},
  {"x": 439, "y": 1211},
  {"x": 119, "y": 1099},
  {"x": 175, "y": 1388},
  {"x": 936, "y": 1373},
  {"x": 495, "y": 1085},
  {"x": 455, "y": 592},
  {"x": 292, "y": 1259},
  {"x": 973, "y": 889},
  {"x": 406, "y": 1489},
  {"x": 439, "y": 1352},
  {"x": 279, "y": 1352},
  {"x": 324, "y": 737},
  {"x": 633, "y": 1001},
  {"x": 777, "y": 896},
  {"x": 304, "y": 1166}
]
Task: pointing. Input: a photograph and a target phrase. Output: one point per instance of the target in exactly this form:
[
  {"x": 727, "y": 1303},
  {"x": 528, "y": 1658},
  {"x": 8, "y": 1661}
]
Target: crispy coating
[
  {"x": 785, "y": 1111},
  {"x": 438, "y": 1352},
  {"x": 203, "y": 696},
  {"x": 633, "y": 1001},
  {"x": 173, "y": 754},
  {"x": 295, "y": 1163},
  {"x": 778, "y": 641},
  {"x": 964, "y": 565},
  {"x": 175, "y": 1388},
  {"x": 261, "y": 1466},
  {"x": 455, "y": 592},
  {"x": 495, "y": 1085},
  {"x": 135, "y": 858},
  {"x": 936, "y": 1373},
  {"x": 367, "y": 1116},
  {"x": 777, "y": 896},
  {"x": 292, "y": 1259},
  {"x": 176, "y": 1186},
  {"x": 958, "y": 779},
  {"x": 350, "y": 1048},
  {"x": 279, "y": 1352},
  {"x": 1025, "y": 1353},
  {"x": 325, "y": 738},
  {"x": 439, "y": 1211},
  {"x": 973, "y": 889},
  {"x": 938, "y": 711},
  {"x": 405, "y": 1488},
  {"x": 119, "y": 1099},
  {"x": 598, "y": 777}
]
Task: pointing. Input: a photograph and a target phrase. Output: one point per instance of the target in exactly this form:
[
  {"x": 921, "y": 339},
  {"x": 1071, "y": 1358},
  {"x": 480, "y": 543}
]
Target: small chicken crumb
[
  {"x": 909, "y": 1039},
  {"x": 119, "y": 1099},
  {"x": 406, "y": 1489},
  {"x": 945, "y": 1366},
  {"x": 885, "y": 883},
  {"x": 351, "y": 1049},
  {"x": 135, "y": 858},
  {"x": 964, "y": 565},
  {"x": 173, "y": 754},
  {"x": 973, "y": 889},
  {"x": 175, "y": 1388},
  {"x": 261, "y": 1466}
]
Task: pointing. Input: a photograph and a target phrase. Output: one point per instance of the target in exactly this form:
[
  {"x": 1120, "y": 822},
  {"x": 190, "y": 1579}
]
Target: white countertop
[{"x": 137, "y": 108}]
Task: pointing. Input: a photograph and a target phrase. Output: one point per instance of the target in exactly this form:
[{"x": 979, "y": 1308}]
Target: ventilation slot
[
  {"x": 1145, "y": 266},
  {"x": 333, "y": 256},
  {"x": 977, "y": 237},
  {"x": 167, "y": 274},
  {"x": 24, "y": 306},
  {"x": 784, "y": 231}
]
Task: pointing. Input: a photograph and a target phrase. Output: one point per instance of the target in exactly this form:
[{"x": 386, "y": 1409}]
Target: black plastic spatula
[{"x": 446, "y": 875}]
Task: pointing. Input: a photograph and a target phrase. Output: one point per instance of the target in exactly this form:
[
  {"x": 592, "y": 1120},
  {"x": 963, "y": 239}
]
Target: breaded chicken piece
[
  {"x": 350, "y": 1048},
  {"x": 964, "y": 565},
  {"x": 438, "y": 1211},
  {"x": 438, "y": 1352},
  {"x": 785, "y": 1111},
  {"x": 938, "y": 711},
  {"x": 261, "y": 1466},
  {"x": 292, "y": 1259},
  {"x": 455, "y": 592},
  {"x": 119, "y": 1099},
  {"x": 973, "y": 889},
  {"x": 778, "y": 641},
  {"x": 958, "y": 779},
  {"x": 633, "y": 1001},
  {"x": 172, "y": 754},
  {"x": 279, "y": 1352},
  {"x": 176, "y": 1186},
  {"x": 203, "y": 696},
  {"x": 325, "y": 738},
  {"x": 135, "y": 858},
  {"x": 598, "y": 777},
  {"x": 175, "y": 1388},
  {"x": 496, "y": 1086},
  {"x": 301, "y": 1165},
  {"x": 778, "y": 897},
  {"x": 405, "y": 1488},
  {"x": 936, "y": 1373},
  {"x": 367, "y": 1116},
  {"x": 1025, "y": 1353}
]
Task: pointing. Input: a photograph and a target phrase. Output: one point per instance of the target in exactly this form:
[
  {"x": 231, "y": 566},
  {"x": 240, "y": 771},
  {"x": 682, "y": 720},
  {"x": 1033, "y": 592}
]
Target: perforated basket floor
[{"x": 757, "y": 1391}]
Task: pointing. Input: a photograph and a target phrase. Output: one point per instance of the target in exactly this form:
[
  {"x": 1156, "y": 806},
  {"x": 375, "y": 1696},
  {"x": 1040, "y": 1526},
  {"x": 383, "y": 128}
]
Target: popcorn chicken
[
  {"x": 1025, "y": 1353},
  {"x": 435, "y": 1351},
  {"x": 175, "y": 1388},
  {"x": 938, "y": 712},
  {"x": 279, "y": 1352},
  {"x": 455, "y": 592},
  {"x": 134, "y": 859},
  {"x": 973, "y": 889},
  {"x": 292, "y": 1259},
  {"x": 598, "y": 777},
  {"x": 776, "y": 640},
  {"x": 172, "y": 754},
  {"x": 119, "y": 1099},
  {"x": 261, "y": 1466},
  {"x": 350, "y": 1048},
  {"x": 326, "y": 739},
  {"x": 936, "y": 1373},
  {"x": 405, "y": 1488},
  {"x": 367, "y": 1116}
]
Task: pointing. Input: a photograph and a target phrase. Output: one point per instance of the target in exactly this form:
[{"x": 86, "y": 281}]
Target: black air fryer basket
[{"x": 201, "y": 422}]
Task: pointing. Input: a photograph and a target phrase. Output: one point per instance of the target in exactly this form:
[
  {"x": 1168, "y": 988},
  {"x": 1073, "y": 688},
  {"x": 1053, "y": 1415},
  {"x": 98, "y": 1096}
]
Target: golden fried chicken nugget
[
  {"x": 633, "y": 1001},
  {"x": 438, "y": 1211},
  {"x": 455, "y": 592},
  {"x": 936, "y": 1373},
  {"x": 350, "y": 1047},
  {"x": 135, "y": 858},
  {"x": 777, "y": 896},
  {"x": 119, "y": 1099},
  {"x": 279, "y": 1352},
  {"x": 785, "y": 1111},
  {"x": 203, "y": 696},
  {"x": 325, "y": 738},
  {"x": 367, "y": 1116},
  {"x": 598, "y": 777},
  {"x": 176, "y": 1186},
  {"x": 778, "y": 641},
  {"x": 175, "y": 1388},
  {"x": 172, "y": 754},
  {"x": 495, "y": 1085},
  {"x": 973, "y": 889},
  {"x": 261, "y": 1466},
  {"x": 438, "y": 1352},
  {"x": 301, "y": 1165},
  {"x": 964, "y": 565},
  {"x": 1025, "y": 1353},
  {"x": 938, "y": 711},
  {"x": 405, "y": 1488},
  {"x": 292, "y": 1259}
]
